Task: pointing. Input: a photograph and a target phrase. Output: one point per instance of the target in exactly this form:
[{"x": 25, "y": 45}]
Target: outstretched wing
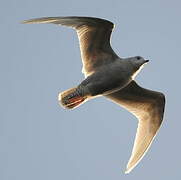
[
  {"x": 94, "y": 38},
  {"x": 148, "y": 107}
]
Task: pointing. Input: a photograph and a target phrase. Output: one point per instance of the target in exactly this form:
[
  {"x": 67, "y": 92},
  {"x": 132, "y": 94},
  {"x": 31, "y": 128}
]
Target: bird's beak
[{"x": 146, "y": 61}]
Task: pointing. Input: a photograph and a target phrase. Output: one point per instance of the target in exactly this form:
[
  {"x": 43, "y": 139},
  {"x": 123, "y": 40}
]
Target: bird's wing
[
  {"x": 94, "y": 38},
  {"x": 148, "y": 107}
]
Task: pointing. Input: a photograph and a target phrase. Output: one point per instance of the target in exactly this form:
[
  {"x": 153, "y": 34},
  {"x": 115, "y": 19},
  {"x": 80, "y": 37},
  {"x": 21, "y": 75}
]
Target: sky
[{"x": 40, "y": 140}]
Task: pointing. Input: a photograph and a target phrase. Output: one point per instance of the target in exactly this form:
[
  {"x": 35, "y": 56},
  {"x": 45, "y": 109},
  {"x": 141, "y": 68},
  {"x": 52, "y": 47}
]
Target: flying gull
[{"x": 109, "y": 75}]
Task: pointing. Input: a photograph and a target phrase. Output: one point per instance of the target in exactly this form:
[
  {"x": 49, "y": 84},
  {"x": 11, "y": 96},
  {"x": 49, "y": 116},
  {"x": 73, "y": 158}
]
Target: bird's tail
[{"x": 71, "y": 98}]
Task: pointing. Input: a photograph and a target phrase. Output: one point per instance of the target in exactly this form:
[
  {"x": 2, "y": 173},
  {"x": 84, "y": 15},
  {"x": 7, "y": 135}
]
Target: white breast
[{"x": 135, "y": 74}]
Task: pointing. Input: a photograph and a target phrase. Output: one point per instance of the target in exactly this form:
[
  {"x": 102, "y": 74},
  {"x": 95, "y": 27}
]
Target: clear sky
[{"x": 40, "y": 140}]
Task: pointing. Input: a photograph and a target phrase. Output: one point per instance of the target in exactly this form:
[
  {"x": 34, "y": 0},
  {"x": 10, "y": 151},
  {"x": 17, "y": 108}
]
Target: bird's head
[{"x": 138, "y": 63}]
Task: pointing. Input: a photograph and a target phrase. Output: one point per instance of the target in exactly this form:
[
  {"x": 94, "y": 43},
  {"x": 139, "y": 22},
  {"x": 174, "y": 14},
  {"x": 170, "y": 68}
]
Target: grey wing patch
[
  {"x": 94, "y": 38},
  {"x": 148, "y": 107}
]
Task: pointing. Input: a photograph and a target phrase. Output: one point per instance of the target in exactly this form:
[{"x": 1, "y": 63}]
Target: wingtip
[
  {"x": 42, "y": 20},
  {"x": 24, "y": 22},
  {"x": 30, "y": 21},
  {"x": 128, "y": 170}
]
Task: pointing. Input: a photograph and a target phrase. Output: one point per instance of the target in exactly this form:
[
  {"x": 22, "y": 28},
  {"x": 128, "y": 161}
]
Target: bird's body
[
  {"x": 113, "y": 77},
  {"x": 108, "y": 78}
]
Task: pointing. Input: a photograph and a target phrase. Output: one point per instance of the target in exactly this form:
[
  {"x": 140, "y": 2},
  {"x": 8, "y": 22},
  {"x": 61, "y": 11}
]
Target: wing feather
[
  {"x": 148, "y": 107},
  {"x": 94, "y": 38}
]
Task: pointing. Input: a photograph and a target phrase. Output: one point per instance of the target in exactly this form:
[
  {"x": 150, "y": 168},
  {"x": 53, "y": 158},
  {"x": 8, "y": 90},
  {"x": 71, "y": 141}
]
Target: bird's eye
[{"x": 138, "y": 57}]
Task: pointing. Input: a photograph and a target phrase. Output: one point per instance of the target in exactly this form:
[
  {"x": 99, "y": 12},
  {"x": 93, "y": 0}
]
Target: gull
[{"x": 108, "y": 75}]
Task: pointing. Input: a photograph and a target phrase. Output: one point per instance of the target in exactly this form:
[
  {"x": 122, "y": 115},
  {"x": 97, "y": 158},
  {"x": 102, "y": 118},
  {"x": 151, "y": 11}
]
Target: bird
[{"x": 107, "y": 74}]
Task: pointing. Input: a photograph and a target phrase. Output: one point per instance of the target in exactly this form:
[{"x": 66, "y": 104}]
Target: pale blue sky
[{"x": 40, "y": 140}]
